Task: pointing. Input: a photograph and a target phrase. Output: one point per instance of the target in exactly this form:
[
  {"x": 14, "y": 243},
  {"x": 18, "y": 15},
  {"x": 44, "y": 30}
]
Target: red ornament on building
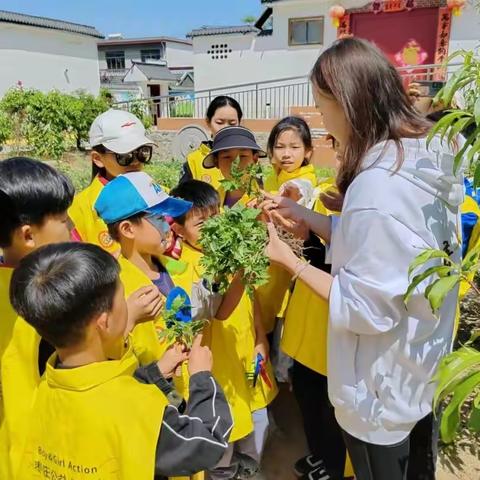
[{"x": 336, "y": 13}]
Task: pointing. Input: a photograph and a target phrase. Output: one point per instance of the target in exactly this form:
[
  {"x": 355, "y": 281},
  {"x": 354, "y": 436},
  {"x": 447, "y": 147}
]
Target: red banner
[{"x": 443, "y": 38}]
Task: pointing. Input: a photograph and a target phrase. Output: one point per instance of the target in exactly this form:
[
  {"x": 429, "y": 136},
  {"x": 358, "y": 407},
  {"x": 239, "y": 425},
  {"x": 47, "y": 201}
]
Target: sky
[{"x": 140, "y": 18}]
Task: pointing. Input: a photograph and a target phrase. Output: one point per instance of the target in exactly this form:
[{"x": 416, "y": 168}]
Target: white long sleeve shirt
[{"x": 382, "y": 356}]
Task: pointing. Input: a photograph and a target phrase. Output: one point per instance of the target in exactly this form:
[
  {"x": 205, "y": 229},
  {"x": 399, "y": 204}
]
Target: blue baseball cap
[{"x": 133, "y": 193}]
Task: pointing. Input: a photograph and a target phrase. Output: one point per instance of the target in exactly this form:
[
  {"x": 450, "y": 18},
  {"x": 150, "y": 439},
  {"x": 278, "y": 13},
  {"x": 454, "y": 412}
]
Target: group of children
[{"x": 88, "y": 390}]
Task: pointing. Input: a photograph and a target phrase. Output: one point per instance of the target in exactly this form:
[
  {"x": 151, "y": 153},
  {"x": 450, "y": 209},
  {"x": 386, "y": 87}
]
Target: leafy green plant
[
  {"x": 180, "y": 328},
  {"x": 140, "y": 109},
  {"x": 166, "y": 173},
  {"x": 232, "y": 241},
  {"x": 459, "y": 373},
  {"x": 246, "y": 179},
  {"x": 466, "y": 82},
  {"x": 6, "y": 128}
]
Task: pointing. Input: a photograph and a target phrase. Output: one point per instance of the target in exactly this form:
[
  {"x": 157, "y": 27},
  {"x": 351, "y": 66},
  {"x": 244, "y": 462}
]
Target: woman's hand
[
  {"x": 332, "y": 200},
  {"x": 278, "y": 251},
  {"x": 288, "y": 214}
]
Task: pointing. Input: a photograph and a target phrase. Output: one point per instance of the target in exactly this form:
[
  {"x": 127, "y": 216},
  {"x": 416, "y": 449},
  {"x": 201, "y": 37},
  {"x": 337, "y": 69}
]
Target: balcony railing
[
  {"x": 112, "y": 75},
  {"x": 263, "y": 100}
]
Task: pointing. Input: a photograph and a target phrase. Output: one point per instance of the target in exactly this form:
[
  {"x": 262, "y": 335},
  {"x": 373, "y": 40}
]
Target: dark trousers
[
  {"x": 324, "y": 435},
  {"x": 412, "y": 459}
]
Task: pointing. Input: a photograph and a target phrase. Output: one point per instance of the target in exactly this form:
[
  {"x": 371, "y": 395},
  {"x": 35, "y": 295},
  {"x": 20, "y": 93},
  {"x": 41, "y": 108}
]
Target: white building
[
  {"x": 123, "y": 60},
  {"x": 290, "y": 34},
  {"x": 47, "y": 54}
]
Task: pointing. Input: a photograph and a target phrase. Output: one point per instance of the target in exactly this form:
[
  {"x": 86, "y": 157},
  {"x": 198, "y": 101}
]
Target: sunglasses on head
[{"x": 142, "y": 154}]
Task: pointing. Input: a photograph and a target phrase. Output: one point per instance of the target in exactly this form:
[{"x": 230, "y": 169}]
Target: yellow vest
[
  {"x": 8, "y": 316},
  {"x": 89, "y": 225},
  {"x": 228, "y": 368},
  {"x": 199, "y": 172},
  {"x": 278, "y": 177},
  {"x": 273, "y": 296},
  {"x": 93, "y": 422}
]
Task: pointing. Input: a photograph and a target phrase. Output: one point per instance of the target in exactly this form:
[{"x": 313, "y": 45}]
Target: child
[
  {"x": 135, "y": 209},
  {"x": 119, "y": 145},
  {"x": 222, "y": 112},
  {"x": 34, "y": 199},
  {"x": 93, "y": 405},
  {"x": 289, "y": 147},
  {"x": 229, "y": 144},
  {"x": 234, "y": 344}
]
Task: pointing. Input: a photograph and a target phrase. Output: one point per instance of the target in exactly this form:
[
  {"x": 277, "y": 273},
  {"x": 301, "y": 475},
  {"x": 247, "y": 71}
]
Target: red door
[{"x": 407, "y": 37}]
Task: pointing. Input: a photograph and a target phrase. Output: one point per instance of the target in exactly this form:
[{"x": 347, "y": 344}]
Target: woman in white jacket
[{"x": 400, "y": 197}]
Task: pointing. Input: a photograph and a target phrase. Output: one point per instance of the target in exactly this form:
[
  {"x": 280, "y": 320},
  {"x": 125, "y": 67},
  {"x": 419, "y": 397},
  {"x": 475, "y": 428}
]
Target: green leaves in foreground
[
  {"x": 458, "y": 378},
  {"x": 232, "y": 241},
  {"x": 444, "y": 276}
]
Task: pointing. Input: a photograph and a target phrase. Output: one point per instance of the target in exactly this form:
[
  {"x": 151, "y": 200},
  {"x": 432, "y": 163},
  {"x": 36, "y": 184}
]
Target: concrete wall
[
  {"x": 179, "y": 56},
  {"x": 262, "y": 58},
  {"x": 47, "y": 59}
]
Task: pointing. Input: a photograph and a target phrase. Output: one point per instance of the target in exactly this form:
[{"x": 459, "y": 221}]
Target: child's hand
[
  {"x": 200, "y": 359},
  {"x": 171, "y": 359},
  {"x": 144, "y": 304},
  {"x": 262, "y": 346}
]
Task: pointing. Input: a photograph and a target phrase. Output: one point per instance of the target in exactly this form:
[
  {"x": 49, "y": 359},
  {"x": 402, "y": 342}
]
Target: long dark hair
[
  {"x": 223, "y": 101},
  {"x": 370, "y": 91},
  {"x": 296, "y": 124}
]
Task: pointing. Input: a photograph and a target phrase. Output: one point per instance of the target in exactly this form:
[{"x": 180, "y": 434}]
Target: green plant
[
  {"x": 246, "y": 179},
  {"x": 6, "y": 128},
  {"x": 179, "y": 326},
  {"x": 166, "y": 173},
  {"x": 140, "y": 109},
  {"x": 232, "y": 241},
  {"x": 465, "y": 82}
]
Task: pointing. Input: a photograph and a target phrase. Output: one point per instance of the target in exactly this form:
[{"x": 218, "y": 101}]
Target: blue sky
[{"x": 140, "y": 18}]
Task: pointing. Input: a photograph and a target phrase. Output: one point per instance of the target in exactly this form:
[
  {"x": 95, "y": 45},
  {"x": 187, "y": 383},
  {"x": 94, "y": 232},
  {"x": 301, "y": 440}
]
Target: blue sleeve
[{"x": 469, "y": 221}]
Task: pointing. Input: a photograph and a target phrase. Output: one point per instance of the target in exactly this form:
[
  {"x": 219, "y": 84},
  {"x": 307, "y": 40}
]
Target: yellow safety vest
[
  {"x": 94, "y": 421},
  {"x": 228, "y": 367},
  {"x": 90, "y": 227},
  {"x": 273, "y": 296},
  {"x": 199, "y": 172},
  {"x": 8, "y": 316}
]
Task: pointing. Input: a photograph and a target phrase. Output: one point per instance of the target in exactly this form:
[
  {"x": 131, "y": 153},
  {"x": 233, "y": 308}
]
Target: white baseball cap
[{"x": 119, "y": 131}]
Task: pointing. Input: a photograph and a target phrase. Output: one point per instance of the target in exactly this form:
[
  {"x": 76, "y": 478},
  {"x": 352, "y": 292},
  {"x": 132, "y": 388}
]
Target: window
[
  {"x": 115, "y": 60},
  {"x": 305, "y": 31},
  {"x": 151, "y": 54}
]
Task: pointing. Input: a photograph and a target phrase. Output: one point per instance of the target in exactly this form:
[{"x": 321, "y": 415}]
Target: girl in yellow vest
[
  {"x": 229, "y": 144},
  {"x": 94, "y": 404},
  {"x": 222, "y": 112},
  {"x": 289, "y": 147},
  {"x": 119, "y": 145}
]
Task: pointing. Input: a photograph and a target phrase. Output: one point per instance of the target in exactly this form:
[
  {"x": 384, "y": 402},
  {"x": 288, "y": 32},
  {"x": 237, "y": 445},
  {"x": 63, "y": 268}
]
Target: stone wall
[{"x": 164, "y": 140}]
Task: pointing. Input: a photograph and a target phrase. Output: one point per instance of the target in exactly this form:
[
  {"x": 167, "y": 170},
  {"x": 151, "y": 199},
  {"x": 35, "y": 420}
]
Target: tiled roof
[
  {"x": 199, "y": 32},
  {"x": 155, "y": 72},
  {"x": 43, "y": 22},
  {"x": 142, "y": 41}
]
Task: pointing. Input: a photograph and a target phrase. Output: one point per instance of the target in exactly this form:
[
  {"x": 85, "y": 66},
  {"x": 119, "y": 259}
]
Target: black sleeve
[
  {"x": 197, "y": 440},
  {"x": 314, "y": 251},
  {"x": 186, "y": 174}
]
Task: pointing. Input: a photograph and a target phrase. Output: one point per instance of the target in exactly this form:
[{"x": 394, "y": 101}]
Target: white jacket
[{"x": 381, "y": 356}]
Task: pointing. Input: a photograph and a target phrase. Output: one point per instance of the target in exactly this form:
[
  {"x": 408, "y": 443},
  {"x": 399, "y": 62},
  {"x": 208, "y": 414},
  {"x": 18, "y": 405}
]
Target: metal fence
[{"x": 262, "y": 100}]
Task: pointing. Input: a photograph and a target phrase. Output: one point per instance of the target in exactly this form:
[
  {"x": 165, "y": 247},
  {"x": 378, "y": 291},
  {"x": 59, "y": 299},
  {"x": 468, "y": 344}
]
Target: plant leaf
[
  {"x": 439, "y": 290},
  {"x": 440, "y": 270},
  {"x": 424, "y": 257}
]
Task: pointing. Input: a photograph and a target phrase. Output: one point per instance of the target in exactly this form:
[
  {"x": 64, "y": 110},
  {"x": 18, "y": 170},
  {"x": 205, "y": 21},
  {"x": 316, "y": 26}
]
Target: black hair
[
  {"x": 297, "y": 124},
  {"x": 223, "y": 101},
  {"x": 202, "y": 195},
  {"x": 113, "y": 228},
  {"x": 35, "y": 191},
  {"x": 96, "y": 170},
  {"x": 58, "y": 289}
]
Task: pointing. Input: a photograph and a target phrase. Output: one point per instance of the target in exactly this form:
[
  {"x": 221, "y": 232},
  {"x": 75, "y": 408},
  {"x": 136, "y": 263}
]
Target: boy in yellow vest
[
  {"x": 34, "y": 199},
  {"x": 234, "y": 343},
  {"x": 93, "y": 404}
]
